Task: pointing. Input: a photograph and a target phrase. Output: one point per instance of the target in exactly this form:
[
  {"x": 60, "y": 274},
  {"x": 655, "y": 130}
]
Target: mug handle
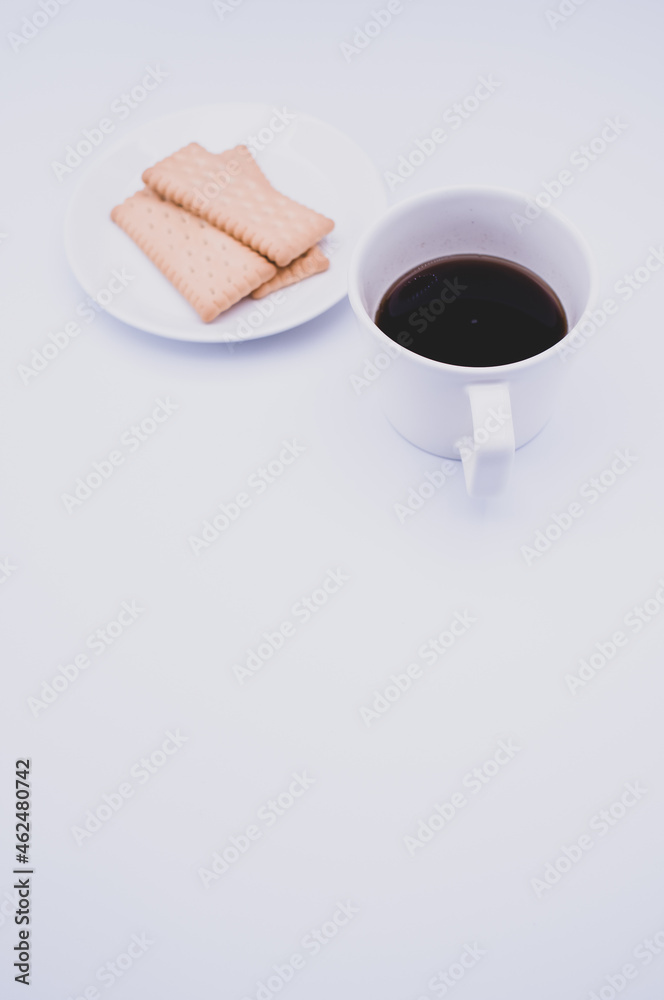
[{"x": 488, "y": 455}]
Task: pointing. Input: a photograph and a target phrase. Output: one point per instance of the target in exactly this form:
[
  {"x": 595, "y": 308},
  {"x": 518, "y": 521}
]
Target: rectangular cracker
[
  {"x": 230, "y": 191},
  {"x": 211, "y": 269},
  {"x": 312, "y": 262}
]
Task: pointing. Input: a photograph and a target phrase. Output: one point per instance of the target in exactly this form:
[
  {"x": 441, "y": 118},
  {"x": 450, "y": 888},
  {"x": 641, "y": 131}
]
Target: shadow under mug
[{"x": 478, "y": 415}]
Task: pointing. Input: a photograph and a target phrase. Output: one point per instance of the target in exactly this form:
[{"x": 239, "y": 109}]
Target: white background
[{"x": 333, "y": 508}]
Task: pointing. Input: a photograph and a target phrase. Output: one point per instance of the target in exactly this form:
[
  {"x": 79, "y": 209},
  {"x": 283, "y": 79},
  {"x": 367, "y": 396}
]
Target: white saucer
[{"x": 308, "y": 160}]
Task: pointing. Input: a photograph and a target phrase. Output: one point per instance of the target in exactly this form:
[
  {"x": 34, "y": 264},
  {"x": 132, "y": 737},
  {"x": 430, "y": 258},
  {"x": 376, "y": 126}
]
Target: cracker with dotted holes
[
  {"x": 312, "y": 262},
  {"x": 211, "y": 269},
  {"x": 230, "y": 191}
]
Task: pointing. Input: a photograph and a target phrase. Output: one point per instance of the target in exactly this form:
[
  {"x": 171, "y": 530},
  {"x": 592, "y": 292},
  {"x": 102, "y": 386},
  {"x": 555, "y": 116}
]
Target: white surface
[
  {"x": 304, "y": 158},
  {"x": 333, "y": 507}
]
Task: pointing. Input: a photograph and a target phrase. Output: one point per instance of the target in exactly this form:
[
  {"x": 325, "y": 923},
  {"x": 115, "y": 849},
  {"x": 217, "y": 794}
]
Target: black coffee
[{"x": 472, "y": 310}]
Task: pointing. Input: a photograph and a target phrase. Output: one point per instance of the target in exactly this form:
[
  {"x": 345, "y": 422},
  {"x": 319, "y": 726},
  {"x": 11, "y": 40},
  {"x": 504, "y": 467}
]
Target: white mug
[{"x": 480, "y": 415}]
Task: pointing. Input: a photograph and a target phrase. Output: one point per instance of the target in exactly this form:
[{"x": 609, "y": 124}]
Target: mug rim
[{"x": 402, "y": 208}]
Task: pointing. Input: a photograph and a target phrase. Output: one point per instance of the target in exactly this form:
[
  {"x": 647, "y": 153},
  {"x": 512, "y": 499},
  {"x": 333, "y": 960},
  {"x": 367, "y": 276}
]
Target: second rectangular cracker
[{"x": 312, "y": 262}]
